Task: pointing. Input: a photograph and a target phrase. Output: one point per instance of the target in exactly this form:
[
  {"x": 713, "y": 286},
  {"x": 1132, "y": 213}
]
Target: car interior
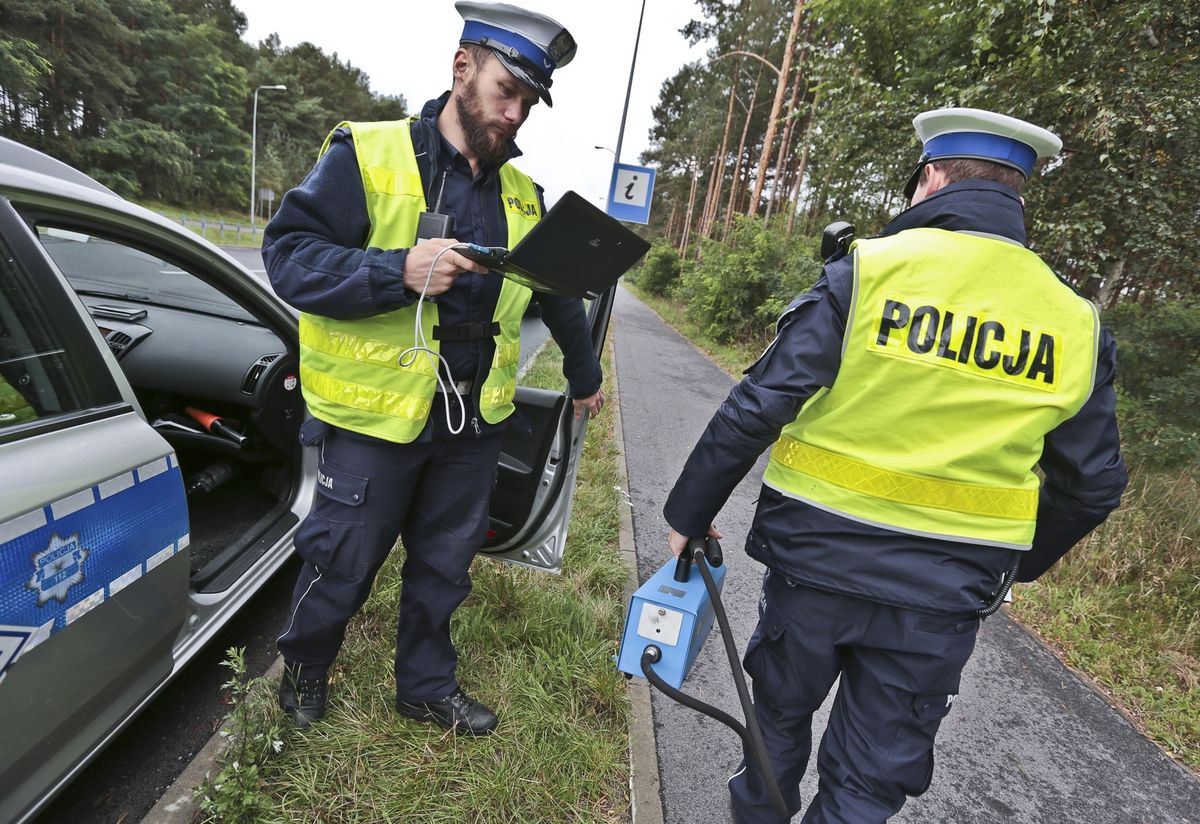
[{"x": 220, "y": 386}]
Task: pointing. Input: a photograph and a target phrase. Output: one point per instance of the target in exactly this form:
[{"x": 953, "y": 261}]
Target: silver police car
[{"x": 150, "y": 476}]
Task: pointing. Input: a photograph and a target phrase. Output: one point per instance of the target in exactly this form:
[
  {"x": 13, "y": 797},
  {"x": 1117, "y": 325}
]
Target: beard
[{"x": 488, "y": 147}]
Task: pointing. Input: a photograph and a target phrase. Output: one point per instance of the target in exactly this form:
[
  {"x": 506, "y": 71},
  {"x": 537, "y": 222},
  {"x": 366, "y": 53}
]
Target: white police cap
[
  {"x": 980, "y": 135},
  {"x": 530, "y": 45}
]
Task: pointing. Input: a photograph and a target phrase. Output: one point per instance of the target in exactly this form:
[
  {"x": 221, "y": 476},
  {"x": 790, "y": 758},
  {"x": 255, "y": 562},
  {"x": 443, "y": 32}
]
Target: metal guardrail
[{"x": 225, "y": 231}]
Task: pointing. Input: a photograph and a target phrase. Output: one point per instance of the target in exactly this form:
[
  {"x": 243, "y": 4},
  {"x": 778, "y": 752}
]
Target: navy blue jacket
[
  {"x": 314, "y": 251},
  {"x": 1084, "y": 473}
]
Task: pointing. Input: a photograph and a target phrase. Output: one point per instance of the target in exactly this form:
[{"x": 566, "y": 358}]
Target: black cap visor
[
  {"x": 911, "y": 186},
  {"x": 526, "y": 76}
]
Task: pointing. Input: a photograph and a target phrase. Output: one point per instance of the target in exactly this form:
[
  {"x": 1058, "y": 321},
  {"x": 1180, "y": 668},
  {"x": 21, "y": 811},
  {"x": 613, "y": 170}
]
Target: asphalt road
[
  {"x": 126, "y": 780},
  {"x": 1027, "y": 742}
]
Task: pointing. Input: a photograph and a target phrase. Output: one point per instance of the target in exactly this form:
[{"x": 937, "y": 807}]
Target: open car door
[
  {"x": 535, "y": 481},
  {"x": 94, "y": 533},
  {"x": 131, "y": 530}
]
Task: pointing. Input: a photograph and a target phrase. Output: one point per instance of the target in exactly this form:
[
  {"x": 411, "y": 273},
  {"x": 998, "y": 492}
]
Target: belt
[
  {"x": 463, "y": 387},
  {"x": 467, "y": 331}
]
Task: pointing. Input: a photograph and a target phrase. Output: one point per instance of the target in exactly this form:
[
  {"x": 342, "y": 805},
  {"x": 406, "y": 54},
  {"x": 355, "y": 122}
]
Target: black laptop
[{"x": 576, "y": 250}]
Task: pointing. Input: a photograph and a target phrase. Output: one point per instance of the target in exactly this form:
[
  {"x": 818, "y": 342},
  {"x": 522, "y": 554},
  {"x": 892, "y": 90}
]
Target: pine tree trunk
[
  {"x": 709, "y": 194},
  {"x": 710, "y": 216},
  {"x": 789, "y": 189},
  {"x": 737, "y": 166},
  {"x": 1110, "y": 287},
  {"x": 772, "y": 121},
  {"x": 687, "y": 221},
  {"x": 785, "y": 145},
  {"x": 801, "y": 167}
]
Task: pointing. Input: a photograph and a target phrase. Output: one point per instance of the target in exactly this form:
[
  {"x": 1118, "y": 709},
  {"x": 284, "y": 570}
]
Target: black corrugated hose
[{"x": 1005, "y": 585}]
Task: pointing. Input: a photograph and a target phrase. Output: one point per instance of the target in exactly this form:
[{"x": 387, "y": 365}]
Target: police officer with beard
[
  {"x": 909, "y": 396},
  {"x": 408, "y": 443}
]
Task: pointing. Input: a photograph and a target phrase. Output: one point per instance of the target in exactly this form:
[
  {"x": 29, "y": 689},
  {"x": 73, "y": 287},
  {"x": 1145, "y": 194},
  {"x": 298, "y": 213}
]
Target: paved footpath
[{"x": 1027, "y": 741}]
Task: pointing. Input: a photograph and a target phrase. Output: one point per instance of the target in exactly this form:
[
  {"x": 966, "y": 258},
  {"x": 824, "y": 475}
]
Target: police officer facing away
[
  {"x": 408, "y": 442},
  {"x": 909, "y": 396}
]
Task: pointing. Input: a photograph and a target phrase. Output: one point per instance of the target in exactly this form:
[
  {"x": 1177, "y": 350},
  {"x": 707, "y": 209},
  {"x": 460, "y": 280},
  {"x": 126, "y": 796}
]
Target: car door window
[{"x": 41, "y": 366}]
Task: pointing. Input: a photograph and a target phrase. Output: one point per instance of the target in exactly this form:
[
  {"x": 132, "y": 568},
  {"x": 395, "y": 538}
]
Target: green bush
[
  {"x": 659, "y": 270},
  {"x": 739, "y": 288},
  {"x": 1158, "y": 380}
]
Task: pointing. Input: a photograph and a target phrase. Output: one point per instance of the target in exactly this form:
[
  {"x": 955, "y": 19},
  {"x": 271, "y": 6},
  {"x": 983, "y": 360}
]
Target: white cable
[{"x": 421, "y": 344}]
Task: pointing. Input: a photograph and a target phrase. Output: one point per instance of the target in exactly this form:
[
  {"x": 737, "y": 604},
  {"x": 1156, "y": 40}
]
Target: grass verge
[
  {"x": 537, "y": 648},
  {"x": 1123, "y": 607}
]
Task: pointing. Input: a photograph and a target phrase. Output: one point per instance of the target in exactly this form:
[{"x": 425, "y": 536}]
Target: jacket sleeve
[
  {"x": 567, "y": 322},
  {"x": 804, "y": 357},
  {"x": 312, "y": 248},
  {"x": 1084, "y": 472}
]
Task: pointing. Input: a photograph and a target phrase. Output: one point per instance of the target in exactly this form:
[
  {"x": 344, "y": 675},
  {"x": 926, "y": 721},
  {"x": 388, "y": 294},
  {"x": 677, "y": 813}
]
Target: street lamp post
[
  {"x": 254, "y": 147},
  {"x": 629, "y": 89},
  {"x": 625, "y": 111}
]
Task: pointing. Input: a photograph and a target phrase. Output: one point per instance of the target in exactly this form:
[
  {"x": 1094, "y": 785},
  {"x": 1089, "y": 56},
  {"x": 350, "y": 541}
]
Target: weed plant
[{"x": 253, "y": 735}]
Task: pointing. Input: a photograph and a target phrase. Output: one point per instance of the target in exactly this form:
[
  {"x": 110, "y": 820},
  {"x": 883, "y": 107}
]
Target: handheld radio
[{"x": 434, "y": 224}]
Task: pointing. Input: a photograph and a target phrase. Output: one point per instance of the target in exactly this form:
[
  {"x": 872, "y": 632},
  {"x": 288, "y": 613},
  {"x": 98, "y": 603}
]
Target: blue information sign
[{"x": 629, "y": 193}]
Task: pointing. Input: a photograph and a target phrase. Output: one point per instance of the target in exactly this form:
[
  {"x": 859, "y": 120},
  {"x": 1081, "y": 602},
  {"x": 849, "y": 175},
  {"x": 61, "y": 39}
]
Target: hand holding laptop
[
  {"x": 575, "y": 250},
  {"x": 447, "y": 268},
  {"x": 489, "y": 256}
]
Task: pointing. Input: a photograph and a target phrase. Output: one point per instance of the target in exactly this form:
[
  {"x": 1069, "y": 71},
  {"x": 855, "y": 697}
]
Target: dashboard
[
  {"x": 185, "y": 353},
  {"x": 174, "y": 357}
]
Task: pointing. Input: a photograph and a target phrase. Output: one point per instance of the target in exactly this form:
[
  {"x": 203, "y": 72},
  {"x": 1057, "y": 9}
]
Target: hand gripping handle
[{"x": 708, "y": 548}]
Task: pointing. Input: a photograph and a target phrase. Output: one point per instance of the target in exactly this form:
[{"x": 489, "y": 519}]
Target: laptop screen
[{"x": 575, "y": 250}]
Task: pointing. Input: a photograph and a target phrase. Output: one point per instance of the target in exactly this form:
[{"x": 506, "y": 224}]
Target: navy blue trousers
[
  {"x": 434, "y": 496},
  {"x": 899, "y": 673}
]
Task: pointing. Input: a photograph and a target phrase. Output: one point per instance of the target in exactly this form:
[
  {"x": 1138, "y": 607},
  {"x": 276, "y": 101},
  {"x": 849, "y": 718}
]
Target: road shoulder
[{"x": 645, "y": 792}]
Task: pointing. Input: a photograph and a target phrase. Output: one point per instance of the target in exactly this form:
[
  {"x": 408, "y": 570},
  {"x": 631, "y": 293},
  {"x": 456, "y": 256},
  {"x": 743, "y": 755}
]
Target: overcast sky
[{"x": 405, "y": 47}]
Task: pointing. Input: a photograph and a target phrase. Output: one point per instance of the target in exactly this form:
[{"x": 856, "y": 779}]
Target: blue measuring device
[
  {"x": 669, "y": 617},
  {"x": 674, "y": 616}
]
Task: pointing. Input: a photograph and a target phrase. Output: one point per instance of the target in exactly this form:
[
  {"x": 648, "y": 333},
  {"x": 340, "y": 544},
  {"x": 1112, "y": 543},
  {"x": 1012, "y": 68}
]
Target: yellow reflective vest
[
  {"x": 350, "y": 371},
  {"x": 960, "y": 353},
  {"x": 13, "y": 406}
]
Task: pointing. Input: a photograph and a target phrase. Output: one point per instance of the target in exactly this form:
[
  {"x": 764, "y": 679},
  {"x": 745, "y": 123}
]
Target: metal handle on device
[{"x": 708, "y": 548}]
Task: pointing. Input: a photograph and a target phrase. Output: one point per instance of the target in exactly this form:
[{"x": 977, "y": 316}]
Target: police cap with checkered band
[
  {"x": 980, "y": 135},
  {"x": 530, "y": 45}
]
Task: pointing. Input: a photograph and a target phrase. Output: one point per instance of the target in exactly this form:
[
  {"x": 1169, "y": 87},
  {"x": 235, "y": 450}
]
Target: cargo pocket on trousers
[
  {"x": 912, "y": 754},
  {"x": 331, "y": 537},
  {"x": 766, "y": 658}
]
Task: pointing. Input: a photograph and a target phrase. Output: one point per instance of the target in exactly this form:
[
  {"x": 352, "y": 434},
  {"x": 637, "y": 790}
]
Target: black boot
[
  {"x": 301, "y": 695},
  {"x": 457, "y": 711}
]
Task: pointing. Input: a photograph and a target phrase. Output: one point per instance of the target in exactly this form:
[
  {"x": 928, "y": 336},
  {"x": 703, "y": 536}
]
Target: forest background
[{"x": 799, "y": 116}]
